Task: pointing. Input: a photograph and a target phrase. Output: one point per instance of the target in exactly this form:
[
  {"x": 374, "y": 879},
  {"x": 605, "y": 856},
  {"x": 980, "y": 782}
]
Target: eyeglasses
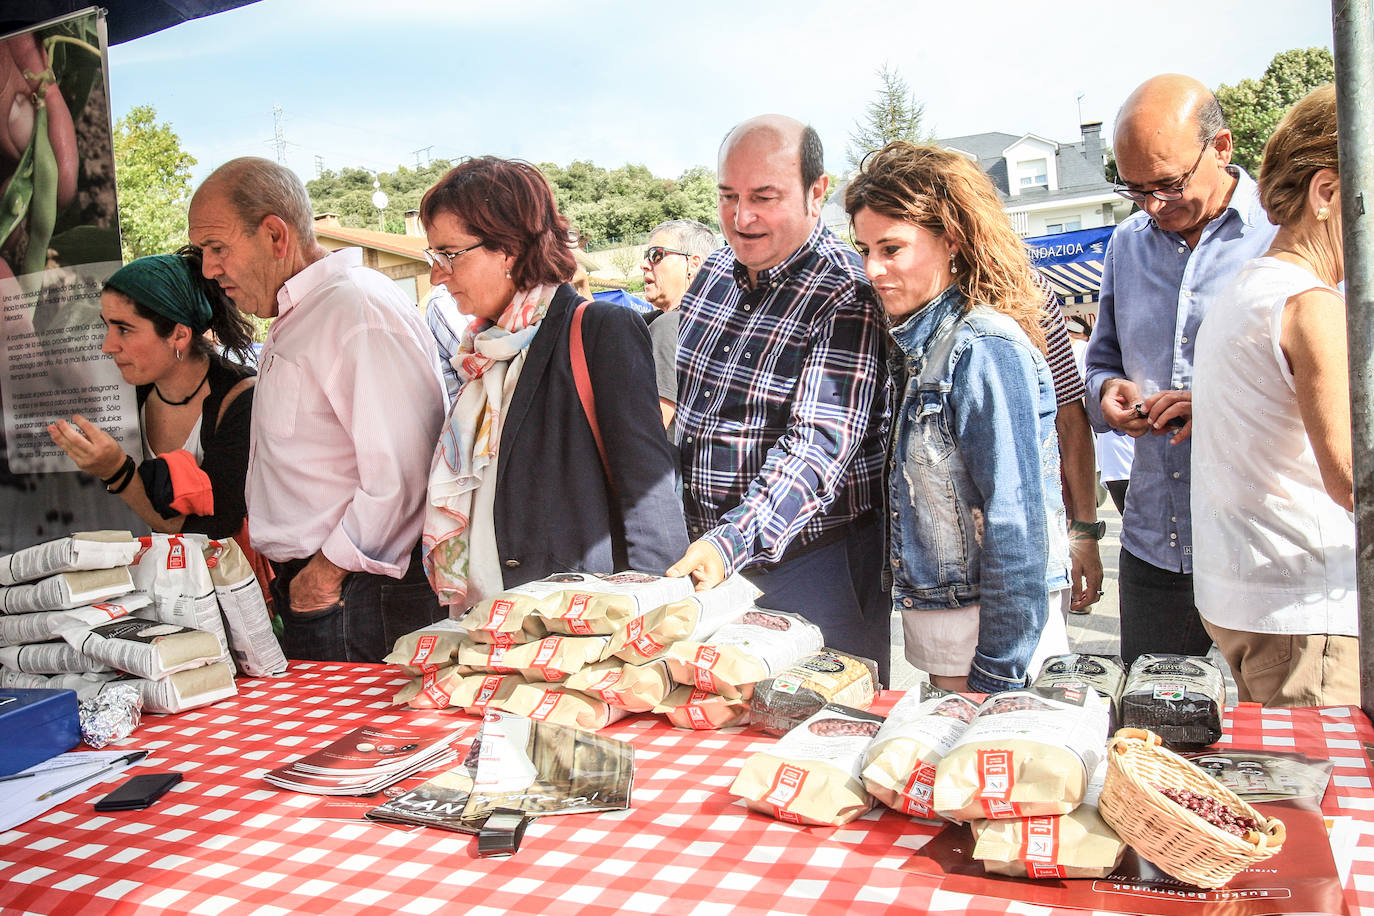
[
  {"x": 656, "y": 254},
  {"x": 444, "y": 259},
  {"x": 1174, "y": 193}
]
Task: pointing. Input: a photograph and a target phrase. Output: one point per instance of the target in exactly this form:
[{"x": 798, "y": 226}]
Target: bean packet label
[
  {"x": 812, "y": 775},
  {"x": 739, "y": 655},
  {"x": 247, "y": 622},
  {"x": 434, "y": 646},
  {"x": 49, "y": 658},
  {"x": 82, "y": 551},
  {"x": 634, "y": 688},
  {"x": 171, "y": 570},
  {"x": 899, "y": 766},
  {"x": 694, "y": 708}
]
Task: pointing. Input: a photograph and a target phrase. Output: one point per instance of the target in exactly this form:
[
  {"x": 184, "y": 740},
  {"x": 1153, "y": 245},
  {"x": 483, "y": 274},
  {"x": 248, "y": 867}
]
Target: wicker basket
[{"x": 1173, "y": 838}]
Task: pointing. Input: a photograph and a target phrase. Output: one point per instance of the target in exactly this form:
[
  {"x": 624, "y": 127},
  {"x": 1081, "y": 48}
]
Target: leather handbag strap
[{"x": 583, "y": 380}]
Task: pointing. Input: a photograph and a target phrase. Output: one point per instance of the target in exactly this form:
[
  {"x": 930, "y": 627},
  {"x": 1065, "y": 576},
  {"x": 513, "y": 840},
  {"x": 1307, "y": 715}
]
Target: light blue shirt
[{"x": 1155, "y": 293}]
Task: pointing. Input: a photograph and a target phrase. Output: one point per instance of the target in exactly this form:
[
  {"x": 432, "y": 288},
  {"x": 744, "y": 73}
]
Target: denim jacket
[{"x": 976, "y": 513}]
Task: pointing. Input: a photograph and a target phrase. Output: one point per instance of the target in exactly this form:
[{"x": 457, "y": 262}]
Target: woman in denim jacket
[{"x": 977, "y": 542}]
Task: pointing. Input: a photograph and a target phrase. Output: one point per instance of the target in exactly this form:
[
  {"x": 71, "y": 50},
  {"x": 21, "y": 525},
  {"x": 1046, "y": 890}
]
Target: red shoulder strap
[{"x": 583, "y": 380}]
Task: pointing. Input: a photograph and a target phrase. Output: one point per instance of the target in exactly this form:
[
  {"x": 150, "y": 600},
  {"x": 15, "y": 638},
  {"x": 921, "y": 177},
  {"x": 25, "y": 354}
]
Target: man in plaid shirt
[{"x": 781, "y": 404}]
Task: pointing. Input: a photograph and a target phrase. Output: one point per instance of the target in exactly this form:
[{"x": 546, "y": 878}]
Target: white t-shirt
[{"x": 1272, "y": 552}]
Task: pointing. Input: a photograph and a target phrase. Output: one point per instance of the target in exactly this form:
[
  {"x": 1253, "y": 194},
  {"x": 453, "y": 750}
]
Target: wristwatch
[{"x": 1094, "y": 530}]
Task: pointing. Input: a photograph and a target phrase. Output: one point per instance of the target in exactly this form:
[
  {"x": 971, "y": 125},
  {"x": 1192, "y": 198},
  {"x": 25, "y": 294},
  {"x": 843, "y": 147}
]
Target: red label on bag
[
  {"x": 500, "y": 610},
  {"x": 696, "y": 717},
  {"x": 1035, "y": 870},
  {"x": 647, "y": 646},
  {"x": 488, "y": 689},
  {"x": 546, "y": 705},
  {"x": 917, "y": 793},
  {"x": 424, "y": 647},
  {"x": 144, "y": 545},
  {"x": 176, "y": 553},
  {"x": 702, "y": 663},
  {"x": 1040, "y": 840},
  {"x": 580, "y": 627},
  {"x": 787, "y": 785},
  {"x": 429, "y": 682},
  {"x": 504, "y": 640},
  {"x": 111, "y": 610},
  {"x": 995, "y": 782},
  {"x": 547, "y": 647},
  {"x": 577, "y": 606}
]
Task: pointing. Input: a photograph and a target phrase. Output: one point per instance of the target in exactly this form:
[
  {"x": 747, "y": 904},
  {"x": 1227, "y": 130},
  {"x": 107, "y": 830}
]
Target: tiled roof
[
  {"x": 410, "y": 246},
  {"x": 1077, "y": 174}
]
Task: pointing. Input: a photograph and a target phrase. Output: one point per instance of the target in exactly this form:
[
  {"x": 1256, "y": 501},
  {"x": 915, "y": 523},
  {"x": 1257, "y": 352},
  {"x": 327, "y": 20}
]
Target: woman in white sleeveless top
[{"x": 1274, "y": 534}]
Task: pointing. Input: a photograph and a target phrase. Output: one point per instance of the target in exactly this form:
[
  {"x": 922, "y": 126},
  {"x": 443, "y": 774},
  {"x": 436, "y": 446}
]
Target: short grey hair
[
  {"x": 691, "y": 236},
  {"x": 1211, "y": 120},
  {"x": 259, "y": 188}
]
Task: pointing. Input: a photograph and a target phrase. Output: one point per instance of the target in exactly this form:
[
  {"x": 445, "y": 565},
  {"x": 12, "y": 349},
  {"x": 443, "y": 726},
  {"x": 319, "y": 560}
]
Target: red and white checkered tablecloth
[{"x": 226, "y": 842}]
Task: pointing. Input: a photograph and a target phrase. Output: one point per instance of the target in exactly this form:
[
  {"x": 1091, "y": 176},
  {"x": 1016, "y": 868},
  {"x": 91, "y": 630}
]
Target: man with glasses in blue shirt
[{"x": 1199, "y": 220}]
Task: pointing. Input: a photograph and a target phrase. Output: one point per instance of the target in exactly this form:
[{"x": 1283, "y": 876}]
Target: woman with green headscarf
[{"x": 194, "y": 405}]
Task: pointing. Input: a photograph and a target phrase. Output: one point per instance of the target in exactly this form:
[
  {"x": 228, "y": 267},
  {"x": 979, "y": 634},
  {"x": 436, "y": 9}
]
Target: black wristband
[{"x": 119, "y": 481}]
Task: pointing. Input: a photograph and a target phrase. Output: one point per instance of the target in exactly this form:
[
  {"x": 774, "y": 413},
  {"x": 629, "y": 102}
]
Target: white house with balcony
[{"x": 1045, "y": 186}]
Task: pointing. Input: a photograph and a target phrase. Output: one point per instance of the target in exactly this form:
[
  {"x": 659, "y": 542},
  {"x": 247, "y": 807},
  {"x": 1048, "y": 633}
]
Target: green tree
[
  {"x": 894, "y": 114},
  {"x": 1254, "y": 107},
  {"x": 348, "y": 193},
  {"x": 153, "y": 176}
]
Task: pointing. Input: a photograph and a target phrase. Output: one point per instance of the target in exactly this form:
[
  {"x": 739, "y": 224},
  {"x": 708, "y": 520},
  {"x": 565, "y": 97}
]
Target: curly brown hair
[{"x": 949, "y": 196}]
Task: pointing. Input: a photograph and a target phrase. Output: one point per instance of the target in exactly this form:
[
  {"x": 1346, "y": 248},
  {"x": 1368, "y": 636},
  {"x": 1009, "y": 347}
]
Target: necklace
[{"x": 184, "y": 401}]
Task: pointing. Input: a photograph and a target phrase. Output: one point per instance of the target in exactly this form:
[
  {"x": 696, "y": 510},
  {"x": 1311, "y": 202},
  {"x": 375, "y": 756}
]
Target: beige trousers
[{"x": 1291, "y": 669}]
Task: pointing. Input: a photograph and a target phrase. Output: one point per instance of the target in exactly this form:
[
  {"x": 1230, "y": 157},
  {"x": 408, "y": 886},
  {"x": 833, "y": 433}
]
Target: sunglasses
[
  {"x": 1174, "y": 193},
  {"x": 444, "y": 259},
  {"x": 656, "y": 254}
]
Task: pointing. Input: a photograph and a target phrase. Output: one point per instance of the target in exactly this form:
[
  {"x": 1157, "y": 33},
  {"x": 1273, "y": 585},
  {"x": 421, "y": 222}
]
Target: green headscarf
[{"x": 165, "y": 284}]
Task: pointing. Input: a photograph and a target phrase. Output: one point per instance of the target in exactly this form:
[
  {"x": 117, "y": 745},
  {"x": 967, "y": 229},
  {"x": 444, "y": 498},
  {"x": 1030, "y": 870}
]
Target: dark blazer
[{"x": 554, "y": 511}]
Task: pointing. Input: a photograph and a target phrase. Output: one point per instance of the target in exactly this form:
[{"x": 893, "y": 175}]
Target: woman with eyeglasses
[
  {"x": 553, "y": 457},
  {"x": 1273, "y": 485},
  {"x": 978, "y": 546},
  {"x": 674, "y": 254}
]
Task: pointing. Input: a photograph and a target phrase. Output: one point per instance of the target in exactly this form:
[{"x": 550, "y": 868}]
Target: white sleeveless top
[
  {"x": 192, "y": 441},
  {"x": 1272, "y": 552}
]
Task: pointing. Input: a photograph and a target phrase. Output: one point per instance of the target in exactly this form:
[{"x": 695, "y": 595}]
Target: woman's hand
[{"x": 92, "y": 449}]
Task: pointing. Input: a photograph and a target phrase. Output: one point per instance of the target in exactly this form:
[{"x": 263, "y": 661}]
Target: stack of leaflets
[
  {"x": 368, "y": 759},
  {"x": 520, "y": 764}
]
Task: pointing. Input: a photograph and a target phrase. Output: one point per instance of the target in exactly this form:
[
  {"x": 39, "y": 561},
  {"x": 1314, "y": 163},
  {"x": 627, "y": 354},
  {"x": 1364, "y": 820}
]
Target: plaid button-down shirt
[{"x": 781, "y": 401}]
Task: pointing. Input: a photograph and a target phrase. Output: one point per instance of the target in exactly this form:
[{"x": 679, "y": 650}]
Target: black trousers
[{"x": 1157, "y": 611}]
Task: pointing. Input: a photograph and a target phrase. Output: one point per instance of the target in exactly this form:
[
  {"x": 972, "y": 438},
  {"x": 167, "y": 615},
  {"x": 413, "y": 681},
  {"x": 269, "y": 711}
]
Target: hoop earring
[{"x": 1323, "y": 214}]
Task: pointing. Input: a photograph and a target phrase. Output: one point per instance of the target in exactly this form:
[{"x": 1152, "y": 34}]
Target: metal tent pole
[{"x": 1353, "y": 32}]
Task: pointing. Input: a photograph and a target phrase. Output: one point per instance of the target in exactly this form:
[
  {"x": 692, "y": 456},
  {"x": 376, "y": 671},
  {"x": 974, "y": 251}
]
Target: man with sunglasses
[
  {"x": 1199, "y": 220},
  {"x": 675, "y": 253}
]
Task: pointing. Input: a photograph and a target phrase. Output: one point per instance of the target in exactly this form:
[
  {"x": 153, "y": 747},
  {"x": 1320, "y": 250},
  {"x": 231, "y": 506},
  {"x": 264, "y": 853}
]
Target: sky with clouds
[{"x": 384, "y": 84}]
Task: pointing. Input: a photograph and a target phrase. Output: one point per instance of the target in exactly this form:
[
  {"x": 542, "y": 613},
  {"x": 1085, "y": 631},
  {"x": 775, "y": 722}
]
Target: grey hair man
[
  {"x": 671, "y": 259},
  {"x": 337, "y": 474}
]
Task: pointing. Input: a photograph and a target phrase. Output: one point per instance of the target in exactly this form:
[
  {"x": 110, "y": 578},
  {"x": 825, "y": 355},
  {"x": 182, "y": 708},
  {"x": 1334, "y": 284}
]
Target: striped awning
[{"x": 1072, "y": 262}]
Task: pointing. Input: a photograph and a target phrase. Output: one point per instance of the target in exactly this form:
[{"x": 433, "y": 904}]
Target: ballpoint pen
[
  {"x": 62, "y": 766},
  {"x": 134, "y": 757}
]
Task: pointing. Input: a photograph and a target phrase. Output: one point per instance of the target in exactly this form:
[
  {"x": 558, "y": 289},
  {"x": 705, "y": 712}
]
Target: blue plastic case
[{"x": 36, "y": 725}]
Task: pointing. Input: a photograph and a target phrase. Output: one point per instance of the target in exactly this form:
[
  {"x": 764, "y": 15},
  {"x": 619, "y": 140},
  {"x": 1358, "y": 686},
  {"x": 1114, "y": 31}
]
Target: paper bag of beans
[
  {"x": 633, "y": 688},
  {"x": 1026, "y": 753},
  {"x": 145, "y": 648},
  {"x": 1104, "y": 673},
  {"x": 1178, "y": 697},
  {"x": 811, "y": 776},
  {"x": 899, "y": 766},
  {"x": 692, "y": 707},
  {"x": 781, "y": 702},
  {"x": 502, "y": 617},
  {"x": 83, "y": 550},
  {"x": 434, "y": 646},
  {"x": 602, "y": 604},
  {"x": 741, "y": 654},
  {"x": 66, "y": 590},
  {"x": 44, "y": 626},
  {"x": 432, "y": 688},
  {"x": 1078, "y": 844},
  {"x": 694, "y": 618},
  {"x": 558, "y": 705},
  {"x": 170, "y": 569}
]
